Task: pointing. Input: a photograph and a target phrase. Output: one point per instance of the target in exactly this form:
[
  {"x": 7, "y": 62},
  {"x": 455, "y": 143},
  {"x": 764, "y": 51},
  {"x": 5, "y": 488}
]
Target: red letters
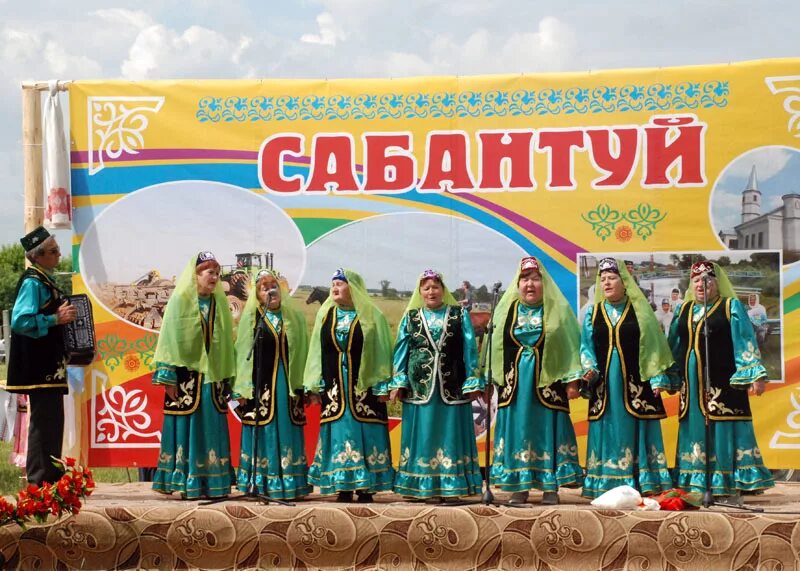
[
  {"x": 618, "y": 166},
  {"x": 446, "y": 162},
  {"x": 511, "y": 148},
  {"x": 670, "y": 148},
  {"x": 270, "y": 162},
  {"x": 674, "y": 140},
  {"x": 333, "y": 166},
  {"x": 389, "y": 165},
  {"x": 561, "y": 168}
]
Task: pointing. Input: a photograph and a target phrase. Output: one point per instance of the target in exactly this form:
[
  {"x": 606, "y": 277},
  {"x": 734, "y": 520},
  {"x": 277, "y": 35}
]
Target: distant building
[{"x": 778, "y": 229}]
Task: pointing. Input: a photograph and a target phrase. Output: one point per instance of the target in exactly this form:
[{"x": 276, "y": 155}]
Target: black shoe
[
  {"x": 364, "y": 497},
  {"x": 344, "y": 497}
]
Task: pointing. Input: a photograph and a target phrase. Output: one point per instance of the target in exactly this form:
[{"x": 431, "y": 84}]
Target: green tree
[{"x": 12, "y": 264}]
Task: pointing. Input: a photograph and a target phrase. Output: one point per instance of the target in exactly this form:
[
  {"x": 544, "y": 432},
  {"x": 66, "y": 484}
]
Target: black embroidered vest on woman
[
  {"x": 266, "y": 360},
  {"x": 40, "y": 364},
  {"x": 189, "y": 382},
  {"x": 553, "y": 396},
  {"x": 639, "y": 399},
  {"x": 431, "y": 364},
  {"x": 364, "y": 406},
  {"x": 724, "y": 402}
]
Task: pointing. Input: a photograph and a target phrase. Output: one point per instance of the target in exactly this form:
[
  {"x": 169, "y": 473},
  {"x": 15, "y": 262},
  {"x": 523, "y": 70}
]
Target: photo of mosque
[{"x": 769, "y": 217}]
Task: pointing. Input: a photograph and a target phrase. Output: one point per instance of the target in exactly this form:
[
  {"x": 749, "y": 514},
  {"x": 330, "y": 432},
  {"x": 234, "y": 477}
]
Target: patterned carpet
[{"x": 130, "y": 527}]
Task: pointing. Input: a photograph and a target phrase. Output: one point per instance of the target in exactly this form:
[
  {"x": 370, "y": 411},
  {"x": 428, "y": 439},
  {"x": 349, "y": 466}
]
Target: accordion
[{"x": 79, "y": 340}]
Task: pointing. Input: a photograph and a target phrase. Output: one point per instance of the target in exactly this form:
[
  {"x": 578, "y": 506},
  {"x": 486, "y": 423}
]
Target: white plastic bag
[
  {"x": 619, "y": 498},
  {"x": 649, "y": 505}
]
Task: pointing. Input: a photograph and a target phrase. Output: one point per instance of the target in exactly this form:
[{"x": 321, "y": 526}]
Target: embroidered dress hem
[
  {"x": 446, "y": 486},
  {"x": 350, "y": 480},
  {"x": 746, "y": 479},
  {"x": 194, "y": 488},
  {"x": 568, "y": 475},
  {"x": 650, "y": 483},
  {"x": 286, "y": 487}
]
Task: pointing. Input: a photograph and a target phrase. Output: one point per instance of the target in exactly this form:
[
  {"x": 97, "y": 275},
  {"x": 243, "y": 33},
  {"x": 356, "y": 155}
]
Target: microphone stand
[
  {"x": 252, "y": 492},
  {"x": 488, "y": 496},
  {"x": 708, "y": 496}
]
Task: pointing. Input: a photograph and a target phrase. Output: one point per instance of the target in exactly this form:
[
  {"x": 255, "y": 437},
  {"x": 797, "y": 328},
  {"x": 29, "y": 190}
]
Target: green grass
[{"x": 11, "y": 483}]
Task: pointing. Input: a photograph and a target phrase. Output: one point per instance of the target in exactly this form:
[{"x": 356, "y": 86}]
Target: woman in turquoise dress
[
  {"x": 735, "y": 369},
  {"x": 625, "y": 358},
  {"x": 271, "y": 349},
  {"x": 350, "y": 352},
  {"x": 435, "y": 374},
  {"x": 195, "y": 362},
  {"x": 536, "y": 364}
]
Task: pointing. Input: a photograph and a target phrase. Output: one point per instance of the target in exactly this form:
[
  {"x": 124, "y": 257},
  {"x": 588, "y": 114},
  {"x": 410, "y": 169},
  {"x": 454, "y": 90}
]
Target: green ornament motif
[
  {"x": 606, "y": 221},
  {"x": 645, "y": 218},
  {"x": 113, "y": 349},
  {"x": 603, "y": 220}
]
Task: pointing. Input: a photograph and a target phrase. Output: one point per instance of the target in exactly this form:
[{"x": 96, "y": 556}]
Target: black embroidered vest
[
  {"x": 364, "y": 406},
  {"x": 553, "y": 396},
  {"x": 266, "y": 361},
  {"x": 431, "y": 364},
  {"x": 724, "y": 402},
  {"x": 639, "y": 399},
  {"x": 189, "y": 384},
  {"x": 38, "y": 365}
]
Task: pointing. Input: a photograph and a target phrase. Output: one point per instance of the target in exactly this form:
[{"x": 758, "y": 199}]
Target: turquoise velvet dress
[
  {"x": 282, "y": 470},
  {"x": 737, "y": 465},
  {"x": 195, "y": 457},
  {"x": 535, "y": 445},
  {"x": 611, "y": 440},
  {"x": 438, "y": 453},
  {"x": 351, "y": 455}
]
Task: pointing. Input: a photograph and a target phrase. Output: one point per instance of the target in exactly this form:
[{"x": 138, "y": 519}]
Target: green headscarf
[
  {"x": 376, "y": 353},
  {"x": 723, "y": 284},
  {"x": 294, "y": 326},
  {"x": 416, "y": 301},
  {"x": 562, "y": 346},
  {"x": 655, "y": 356},
  {"x": 180, "y": 341}
]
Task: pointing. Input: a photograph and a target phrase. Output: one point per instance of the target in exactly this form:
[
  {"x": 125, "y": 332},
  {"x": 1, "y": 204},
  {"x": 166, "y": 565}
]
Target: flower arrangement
[{"x": 61, "y": 498}]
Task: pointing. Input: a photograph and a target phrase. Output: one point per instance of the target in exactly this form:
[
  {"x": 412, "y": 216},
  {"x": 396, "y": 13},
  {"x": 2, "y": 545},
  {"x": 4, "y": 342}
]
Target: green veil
[
  {"x": 655, "y": 356},
  {"x": 562, "y": 347},
  {"x": 180, "y": 342},
  {"x": 376, "y": 354},
  {"x": 416, "y": 301},
  {"x": 723, "y": 284},
  {"x": 294, "y": 325}
]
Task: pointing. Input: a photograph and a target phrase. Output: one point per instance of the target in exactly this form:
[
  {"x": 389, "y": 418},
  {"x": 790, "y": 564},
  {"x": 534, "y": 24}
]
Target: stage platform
[{"x": 128, "y": 526}]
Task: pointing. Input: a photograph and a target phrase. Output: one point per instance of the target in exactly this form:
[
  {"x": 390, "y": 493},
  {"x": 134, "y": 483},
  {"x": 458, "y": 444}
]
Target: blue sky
[{"x": 164, "y": 39}]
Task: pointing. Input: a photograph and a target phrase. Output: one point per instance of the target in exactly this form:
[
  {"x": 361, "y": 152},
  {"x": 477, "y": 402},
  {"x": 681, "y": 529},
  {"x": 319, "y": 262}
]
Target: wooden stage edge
[{"x": 128, "y": 526}]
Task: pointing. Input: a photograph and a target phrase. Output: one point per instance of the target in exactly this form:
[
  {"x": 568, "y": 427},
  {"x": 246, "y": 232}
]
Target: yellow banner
[{"x": 465, "y": 174}]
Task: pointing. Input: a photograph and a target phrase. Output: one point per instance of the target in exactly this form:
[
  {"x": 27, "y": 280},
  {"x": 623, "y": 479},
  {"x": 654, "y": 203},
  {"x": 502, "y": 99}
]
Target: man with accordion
[{"x": 38, "y": 359}]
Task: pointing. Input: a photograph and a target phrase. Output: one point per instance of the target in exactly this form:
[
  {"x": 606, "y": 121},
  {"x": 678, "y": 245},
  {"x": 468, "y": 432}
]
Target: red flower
[
  {"x": 70, "y": 462},
  {"x": 623, "y": 233},
  {"x": 674, "y": 504}
]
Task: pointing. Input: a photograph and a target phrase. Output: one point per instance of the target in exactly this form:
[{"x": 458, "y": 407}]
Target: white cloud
[
  {"x": 768, "y": 161},
  {"x": 329, "y": 31},
  {"x": 161, "y": 52},
  {"x": 135, "y": 19},
  {"x": 26, "y": 55}
]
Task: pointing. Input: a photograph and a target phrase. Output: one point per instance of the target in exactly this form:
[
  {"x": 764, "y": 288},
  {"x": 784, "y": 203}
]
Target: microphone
[
  {"x": 496, "y": 287},
  {"x": 271, "y": 292}
]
